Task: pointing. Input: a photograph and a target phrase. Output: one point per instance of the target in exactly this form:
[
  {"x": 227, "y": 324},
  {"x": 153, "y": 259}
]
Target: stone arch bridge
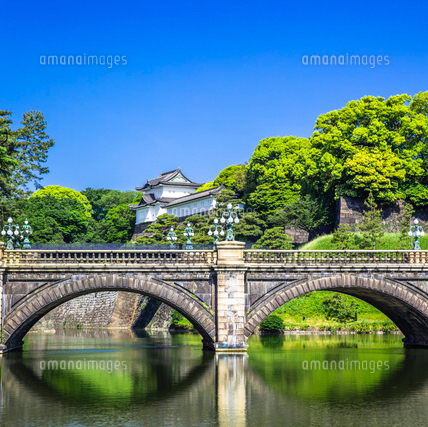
[{"x": 225, "y": 293}]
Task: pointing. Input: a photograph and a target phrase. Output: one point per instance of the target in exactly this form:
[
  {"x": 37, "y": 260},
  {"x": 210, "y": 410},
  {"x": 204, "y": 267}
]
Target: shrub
[
  {"x": 337, "y": 308},
  {"x": 272, "y": 323},
  {"x": 176, "y": 317}
]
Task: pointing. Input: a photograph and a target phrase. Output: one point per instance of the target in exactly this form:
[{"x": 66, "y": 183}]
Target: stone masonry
[
  {"x": 225, "y": 293},
  {"x": 349, "y": 210},
  {"x": 100, "y": 309}
]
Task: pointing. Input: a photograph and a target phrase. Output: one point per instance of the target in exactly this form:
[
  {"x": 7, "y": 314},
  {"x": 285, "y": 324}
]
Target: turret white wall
[
  {"x": 150, "y": 213},
  {"x": 171, "y": 191}
]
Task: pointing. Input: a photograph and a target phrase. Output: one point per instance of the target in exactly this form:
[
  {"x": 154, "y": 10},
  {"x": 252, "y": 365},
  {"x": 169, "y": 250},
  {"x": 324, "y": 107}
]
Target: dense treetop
[
  {"x": 276, "y": 172},
  {"x": 65, "y": 193},
  {"x": 373, "y": 144},
  {"x": 232, "y": 177}
]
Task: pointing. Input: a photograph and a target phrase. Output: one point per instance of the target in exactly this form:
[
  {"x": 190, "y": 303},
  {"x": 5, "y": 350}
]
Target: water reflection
[
  {"x": 63, "y": 377},
  {"x": 118, "y": 378},
  {"x": 336, "y": 368}
]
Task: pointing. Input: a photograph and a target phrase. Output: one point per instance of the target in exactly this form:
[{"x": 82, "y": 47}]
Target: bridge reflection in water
[{"x": 169, "y": 381}]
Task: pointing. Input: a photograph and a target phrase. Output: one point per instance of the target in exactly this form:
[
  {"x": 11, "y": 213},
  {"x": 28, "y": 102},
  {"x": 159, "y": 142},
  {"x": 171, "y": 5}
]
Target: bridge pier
[{"x": 230, "y": 298}]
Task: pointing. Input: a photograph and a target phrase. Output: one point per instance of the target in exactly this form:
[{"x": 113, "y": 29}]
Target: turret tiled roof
[
  {"x": 166, "y": 202},
  {"x": 166, "y": 178}
]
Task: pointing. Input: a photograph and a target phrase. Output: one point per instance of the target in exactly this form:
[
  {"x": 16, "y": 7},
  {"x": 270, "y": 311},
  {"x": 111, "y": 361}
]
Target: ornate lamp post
[
  {"x": 228, "y": 217},
  {"x": 25, "y": 232},
  {"x": 12, "y": 231},
  {"x": 416, "y": 231},
  {"x": 188, "y": 232},
  {"x": 172, "y": 237},
  {"x": 214, "y": 230}
]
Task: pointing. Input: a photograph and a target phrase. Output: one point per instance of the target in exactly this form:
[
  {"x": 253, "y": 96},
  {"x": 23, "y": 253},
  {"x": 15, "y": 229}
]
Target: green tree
[
  {"x": 337, "y": 307},
  {"x": 113, "y": 221},
  {"x": 249, "y": 228},
  {"x": 118, "y": 226},
  {"x": 419, "y": 103},
  {"x": 23, "y": 153},
  {"x": 7, "y": 152},
  {"x": 371, "y": 225},
  {"x": 274, "y": 238},
  {"x": 94, "y": 195},
  {"x": 58, "y": 215},
  {"x": 222, "y": 199},
  {"x": 372, "y": 144},
  {"x": 63, "y": 193},
  {"x": 232, "y": 177},
  {"x": 343, "y": 238},
  {"x": 31, "y": 153},
  {"x": 102, "y": 200},
  {"x": 305, "y": 213},
  {"x": 405, "y": 240},
  {"x": 276, "y": 173},
  {"x": 157, "y": 231}
]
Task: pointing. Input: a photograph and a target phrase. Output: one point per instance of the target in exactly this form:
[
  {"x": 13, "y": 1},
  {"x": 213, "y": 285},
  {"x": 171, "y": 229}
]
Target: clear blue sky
[{"x": 204, "y": 81}]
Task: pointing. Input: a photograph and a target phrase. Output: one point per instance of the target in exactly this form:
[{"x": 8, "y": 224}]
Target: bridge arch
[
  {"x": 405, "y": 304},
  {"x": 30, "y": 309}
]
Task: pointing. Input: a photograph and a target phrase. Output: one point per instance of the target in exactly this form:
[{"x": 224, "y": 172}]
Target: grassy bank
[
  {"x": 390, "y": 241},
  {"x": 309, "y": 313}
]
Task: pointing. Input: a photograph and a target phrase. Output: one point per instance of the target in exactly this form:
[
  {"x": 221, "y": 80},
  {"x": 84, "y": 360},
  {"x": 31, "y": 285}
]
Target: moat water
[{"x": 114, "y": 378}]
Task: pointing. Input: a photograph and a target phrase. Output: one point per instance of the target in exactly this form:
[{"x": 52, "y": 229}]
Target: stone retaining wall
[
  {"x": 109, "y": 309},
  {"x": 349, "y": 210},
  {"x": 89, "y": 310},
  {"x": 102, "y": 309}
]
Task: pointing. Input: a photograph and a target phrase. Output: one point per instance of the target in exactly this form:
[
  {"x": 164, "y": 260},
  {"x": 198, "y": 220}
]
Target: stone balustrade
[
  {"x": 210, "y": 257},
  {"x": 108, "y": 257},
  {"x": 322, "y": 257}
]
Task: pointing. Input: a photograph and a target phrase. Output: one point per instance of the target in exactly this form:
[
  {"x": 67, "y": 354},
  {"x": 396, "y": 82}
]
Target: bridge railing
[
  {"x": 320, "y": 257},
  {"x": 209, "y": 257},
  {"x": 101, "y": 257}
]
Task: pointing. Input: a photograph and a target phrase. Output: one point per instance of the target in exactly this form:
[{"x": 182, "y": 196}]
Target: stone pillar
[{"x": 230, "y": 297}]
